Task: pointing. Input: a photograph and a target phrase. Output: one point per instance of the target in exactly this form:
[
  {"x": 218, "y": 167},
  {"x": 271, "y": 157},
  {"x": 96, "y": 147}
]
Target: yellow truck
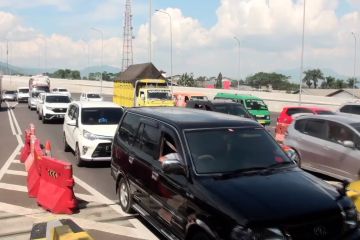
[{"x": 142, "y": 85}]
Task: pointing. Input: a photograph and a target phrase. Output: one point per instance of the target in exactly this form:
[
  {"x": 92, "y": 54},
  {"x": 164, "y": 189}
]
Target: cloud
[{"x": 62, "y": 5}]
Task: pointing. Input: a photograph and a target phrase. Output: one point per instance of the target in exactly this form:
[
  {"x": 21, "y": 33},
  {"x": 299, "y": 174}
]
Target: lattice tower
[{"x": 127, "y": 58}]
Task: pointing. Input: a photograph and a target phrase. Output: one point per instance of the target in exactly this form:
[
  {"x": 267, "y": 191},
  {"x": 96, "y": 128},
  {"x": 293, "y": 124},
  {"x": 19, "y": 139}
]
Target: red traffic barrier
[
  {"x": 32, "y": 129},
  {"x": 26, "y": 149},
  {"x": 280, "y": 131},
  {"x": 48, "y": 148},
  {"x": 56, "y": 192},
  {"x": 33, "y": 177}
]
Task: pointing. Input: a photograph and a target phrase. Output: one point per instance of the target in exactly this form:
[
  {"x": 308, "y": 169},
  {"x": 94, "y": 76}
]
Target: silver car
[
  {"x": 9, "y": 95},
  {"x": 328, "y": 144}
]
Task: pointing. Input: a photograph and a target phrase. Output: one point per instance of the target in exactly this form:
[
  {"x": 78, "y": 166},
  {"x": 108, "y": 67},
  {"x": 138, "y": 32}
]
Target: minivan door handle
[
  {"x": 154, "y": 175},
  {"x": 131, "y": 159}
]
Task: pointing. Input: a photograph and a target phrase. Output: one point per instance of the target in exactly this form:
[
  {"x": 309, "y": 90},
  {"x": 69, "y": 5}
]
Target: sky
[{"x": 58, "y": 34}]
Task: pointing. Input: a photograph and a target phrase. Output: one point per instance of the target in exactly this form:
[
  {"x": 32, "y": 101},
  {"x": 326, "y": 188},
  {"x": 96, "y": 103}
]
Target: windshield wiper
[
  {"x": 279, "y": 164},
  {"x": 243, "y": 171}
]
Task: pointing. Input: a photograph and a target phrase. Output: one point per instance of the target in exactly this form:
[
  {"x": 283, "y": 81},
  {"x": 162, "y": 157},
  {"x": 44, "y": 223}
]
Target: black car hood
[{"x": 283, "y": 195}]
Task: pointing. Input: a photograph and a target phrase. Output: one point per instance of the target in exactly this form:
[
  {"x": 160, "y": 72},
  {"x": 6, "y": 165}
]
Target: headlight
[
  {"x": 49, "y": 108},
  {"x": 241, "y": 233},
  {"x": 89, "y": 135}
]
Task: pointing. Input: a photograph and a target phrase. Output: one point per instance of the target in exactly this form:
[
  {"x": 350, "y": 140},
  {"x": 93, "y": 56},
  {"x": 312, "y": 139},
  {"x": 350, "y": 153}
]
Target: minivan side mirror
[
  {"x": 173, "y": 166},
  {"x": 349, "y": 144},
  {"x": 72, "y": 123}
]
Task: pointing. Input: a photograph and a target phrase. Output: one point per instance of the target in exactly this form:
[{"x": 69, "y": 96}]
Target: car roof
[
  {"x": 23, "y": 88},
  {"x": 237, "y": 96},
  {"x": 189, "y": 93},
  {"x": 103, "y": 104},
  {"x": 189, "y": 118},
  {"x": 54, "y": 94},
  {"x": 351, "y": 103},
  {"x": 313, "y": 108},
  {"x": 337, "y": 118}
]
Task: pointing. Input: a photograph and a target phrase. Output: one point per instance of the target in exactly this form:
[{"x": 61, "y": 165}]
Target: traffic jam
[{"x": 194, "y": 167}]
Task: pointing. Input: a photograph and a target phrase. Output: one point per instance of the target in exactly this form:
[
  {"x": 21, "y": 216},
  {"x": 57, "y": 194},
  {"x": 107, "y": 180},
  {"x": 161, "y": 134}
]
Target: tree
[
  {"x": 313, "y": 76},
  {"x": 187, "y": 80},
  {"x": 218, "y": 84},
  {"x": 276, "y": 80},
  {"x": 339, "y": 83},
  {"x": 329, "y": 82},
  {"x": 350, "y": 82}
]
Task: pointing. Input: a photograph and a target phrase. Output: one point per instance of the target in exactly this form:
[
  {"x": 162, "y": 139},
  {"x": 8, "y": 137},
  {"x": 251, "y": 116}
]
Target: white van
[{"x": 22, "y": 94}]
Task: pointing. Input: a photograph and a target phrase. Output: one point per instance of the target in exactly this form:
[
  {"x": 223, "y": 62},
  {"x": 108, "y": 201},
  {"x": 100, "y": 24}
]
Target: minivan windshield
[
  {"x": 24, "y": 90},
  {"x": 57, "y": 99},
  {"x": 158, "y": 94},
  {"x": 232, "y": 109},
  {"x": 233, "y": 150},
  {"x": 93, "y": 95},
  {"x": 101, "y": 116},
  {"x": 10, "y": 92},
  {"x": 255, "y": 104}
]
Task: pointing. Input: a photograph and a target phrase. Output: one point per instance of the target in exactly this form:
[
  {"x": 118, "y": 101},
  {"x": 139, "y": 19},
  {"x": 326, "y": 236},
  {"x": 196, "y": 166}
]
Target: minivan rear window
[
  {"x": 292, "y": 111},
  {"x": 101, "y": 116}
]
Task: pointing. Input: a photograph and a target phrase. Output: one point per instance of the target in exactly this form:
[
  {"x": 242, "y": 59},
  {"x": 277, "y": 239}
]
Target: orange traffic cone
[
  {"x": 32, "y": 129},
  {"x": 48, "y": 148}
]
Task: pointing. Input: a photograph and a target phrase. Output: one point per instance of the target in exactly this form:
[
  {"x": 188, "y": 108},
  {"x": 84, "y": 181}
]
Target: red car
[{"x": 286, "y": 117}]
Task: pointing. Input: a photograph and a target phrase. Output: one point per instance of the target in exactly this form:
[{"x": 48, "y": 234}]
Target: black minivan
[{"x": 210, "y": 176}]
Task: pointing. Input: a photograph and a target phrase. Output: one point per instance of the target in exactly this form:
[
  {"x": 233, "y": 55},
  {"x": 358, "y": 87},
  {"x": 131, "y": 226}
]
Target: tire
[
  {"x": 200, "y": 235},
  {"x": 125, "y": 197},
  {"x": 39, "y": 116},
  {"x": 66, "y": 145},
  {"x": 44, "y": 121},
  {"x": 79, "y": 162}
]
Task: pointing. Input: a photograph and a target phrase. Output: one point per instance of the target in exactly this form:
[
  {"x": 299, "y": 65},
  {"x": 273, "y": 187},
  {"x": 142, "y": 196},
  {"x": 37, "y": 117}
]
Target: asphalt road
[{"x": 95, "y": 175}]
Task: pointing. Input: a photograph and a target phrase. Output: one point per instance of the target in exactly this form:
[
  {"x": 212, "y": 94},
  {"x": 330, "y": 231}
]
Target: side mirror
[
  {"x": 173, "y": 166},
  {"x": 72, "y": 123},
  {"x": 349, "y": 144}
]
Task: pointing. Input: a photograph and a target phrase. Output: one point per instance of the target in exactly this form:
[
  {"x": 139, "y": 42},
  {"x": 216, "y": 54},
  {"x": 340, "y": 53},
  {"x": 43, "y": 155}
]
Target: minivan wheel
[
  {"x": 39, "y": 116},
  {"x": 79, "y": 162},
  {"x": 200, "y": 236},
  {"x": 125, "y": 198},
  {"x": 66, "y": 145}
]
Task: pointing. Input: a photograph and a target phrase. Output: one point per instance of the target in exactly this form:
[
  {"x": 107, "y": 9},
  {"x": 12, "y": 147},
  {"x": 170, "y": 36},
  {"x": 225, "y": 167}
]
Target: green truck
[{"x": 254, "y": 105}]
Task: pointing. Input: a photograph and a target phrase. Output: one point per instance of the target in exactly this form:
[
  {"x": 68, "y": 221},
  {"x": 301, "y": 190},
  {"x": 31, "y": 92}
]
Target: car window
[
  {"x": 62, "y": 90},
  {"x": 315, "y": 128},
  {"x": 232, "y": 109},
  {"x": 71, "y": 112},
  {"x": 255, "y": 104},
  {"x": 23, "y": 90},
  {"x": 292, "y": 111},
  {"x": 233, "y": 149},
  {"x": 149, "y": 139},
  {"x": 324, "y": 112},
  {"x": 101, "y": 116},
  {"x": 346, "y": 109},
  {"x": 128, "y": 128},
  {"x": 300, "y": 124},
  {"x": 93, "y": 95},
  {"x": 339, "y": 133},
  {"x": 356, "y": 126},
  {"x": 57, "y": 99}
]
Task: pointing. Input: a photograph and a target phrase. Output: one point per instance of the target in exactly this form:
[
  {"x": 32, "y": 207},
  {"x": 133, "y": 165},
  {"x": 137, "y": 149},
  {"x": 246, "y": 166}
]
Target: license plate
[
  {"x": 260, "y": 115},
  {"x": 261, "y": 121},
  {"x": 60, "y": 116}
]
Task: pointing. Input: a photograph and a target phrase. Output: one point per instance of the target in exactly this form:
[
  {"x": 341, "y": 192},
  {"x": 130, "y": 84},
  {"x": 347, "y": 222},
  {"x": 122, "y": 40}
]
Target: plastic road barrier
[
  {"x": 64, "y": 229},
  {"x": 280, "y": 131},
  {"x": 26, "y": 149},
  {"x": 33, "y": 177},
  {"x": 56, "y": 192},
  {"x": 30, "y": 159}
]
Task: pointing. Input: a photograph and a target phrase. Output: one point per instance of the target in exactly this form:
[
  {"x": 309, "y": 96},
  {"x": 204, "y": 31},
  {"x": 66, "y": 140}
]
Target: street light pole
[
  {"x": 150, "y": 13},
  {"x": 171, "y": 48},
  {"x": 354, "y": 35},
  {"x": 302, "y": 55},
  {"x": 102, "y": 54},
  {"x": 238, "y": 42}
]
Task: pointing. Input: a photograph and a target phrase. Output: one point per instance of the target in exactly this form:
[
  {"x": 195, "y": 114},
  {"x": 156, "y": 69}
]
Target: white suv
[
  {"x": 91, "y": 97},
  {"x": 350, "y": 108},
  {"x": 22, "y": 94},
  {"x": 89, "y": 128},
  {"x": 53, "y": 106}
]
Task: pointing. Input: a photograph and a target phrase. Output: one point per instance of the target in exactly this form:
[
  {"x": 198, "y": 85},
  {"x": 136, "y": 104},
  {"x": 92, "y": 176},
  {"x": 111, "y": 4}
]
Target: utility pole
[
  {"x": 238, "y": 42},
  {"x": 150, "y": 13},
  {"x": 302, "y": 55},
  {"x": 127, "y": 58},
  {"x": 354, "y": 83}
]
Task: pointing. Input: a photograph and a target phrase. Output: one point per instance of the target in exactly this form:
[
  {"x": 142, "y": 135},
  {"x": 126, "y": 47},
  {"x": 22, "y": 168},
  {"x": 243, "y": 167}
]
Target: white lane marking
[
  {"x": 14, "y": 187},
  {"x": 19, "y": 173},
  {"x": 11, "y": 123},
  {"x": 86, "y": 197},
  {"x": 139, "y": 226},
  {"x": 16, "y": 122},
  {"x": 40, "y": 215},
  {"x": 8, "y": 162},
  {"x": 17, "y": 161}
]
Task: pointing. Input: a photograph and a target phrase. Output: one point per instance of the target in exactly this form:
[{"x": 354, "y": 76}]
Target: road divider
[
  {"x": 64, "y": 229},
  {"x": 49, "y": 180}
]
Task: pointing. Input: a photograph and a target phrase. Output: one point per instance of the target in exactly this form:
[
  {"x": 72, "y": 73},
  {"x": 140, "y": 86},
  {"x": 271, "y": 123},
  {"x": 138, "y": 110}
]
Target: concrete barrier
[{"x": 275, "y": 100}]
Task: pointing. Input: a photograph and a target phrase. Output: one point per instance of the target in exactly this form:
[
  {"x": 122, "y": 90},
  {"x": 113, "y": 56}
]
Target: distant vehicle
[
  {"x": 205, "y": 177},
  {"x": 142, "y": 85},
  {"x": 350, "y": 108},
  {"x": 1, "y": 92},
  {"x": 9, "y": 95},
  {"x": 53, "y": 106},
  {"x": 254, "y": 105},
  {"x": 91, "y": 97},
  {"x": 22, "y": 94},
  {"x": 37, "y": 84},
  {"x": 327, "y": 144},
  {"x": 181, "y": 98},
  {"x": 89, "y": 129},
  {"x": 61, "y": 91},
  {"x": 40, "y": 101},
  {"x": 287, "y": 114},
  {"x": 231, "y": 108}
]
